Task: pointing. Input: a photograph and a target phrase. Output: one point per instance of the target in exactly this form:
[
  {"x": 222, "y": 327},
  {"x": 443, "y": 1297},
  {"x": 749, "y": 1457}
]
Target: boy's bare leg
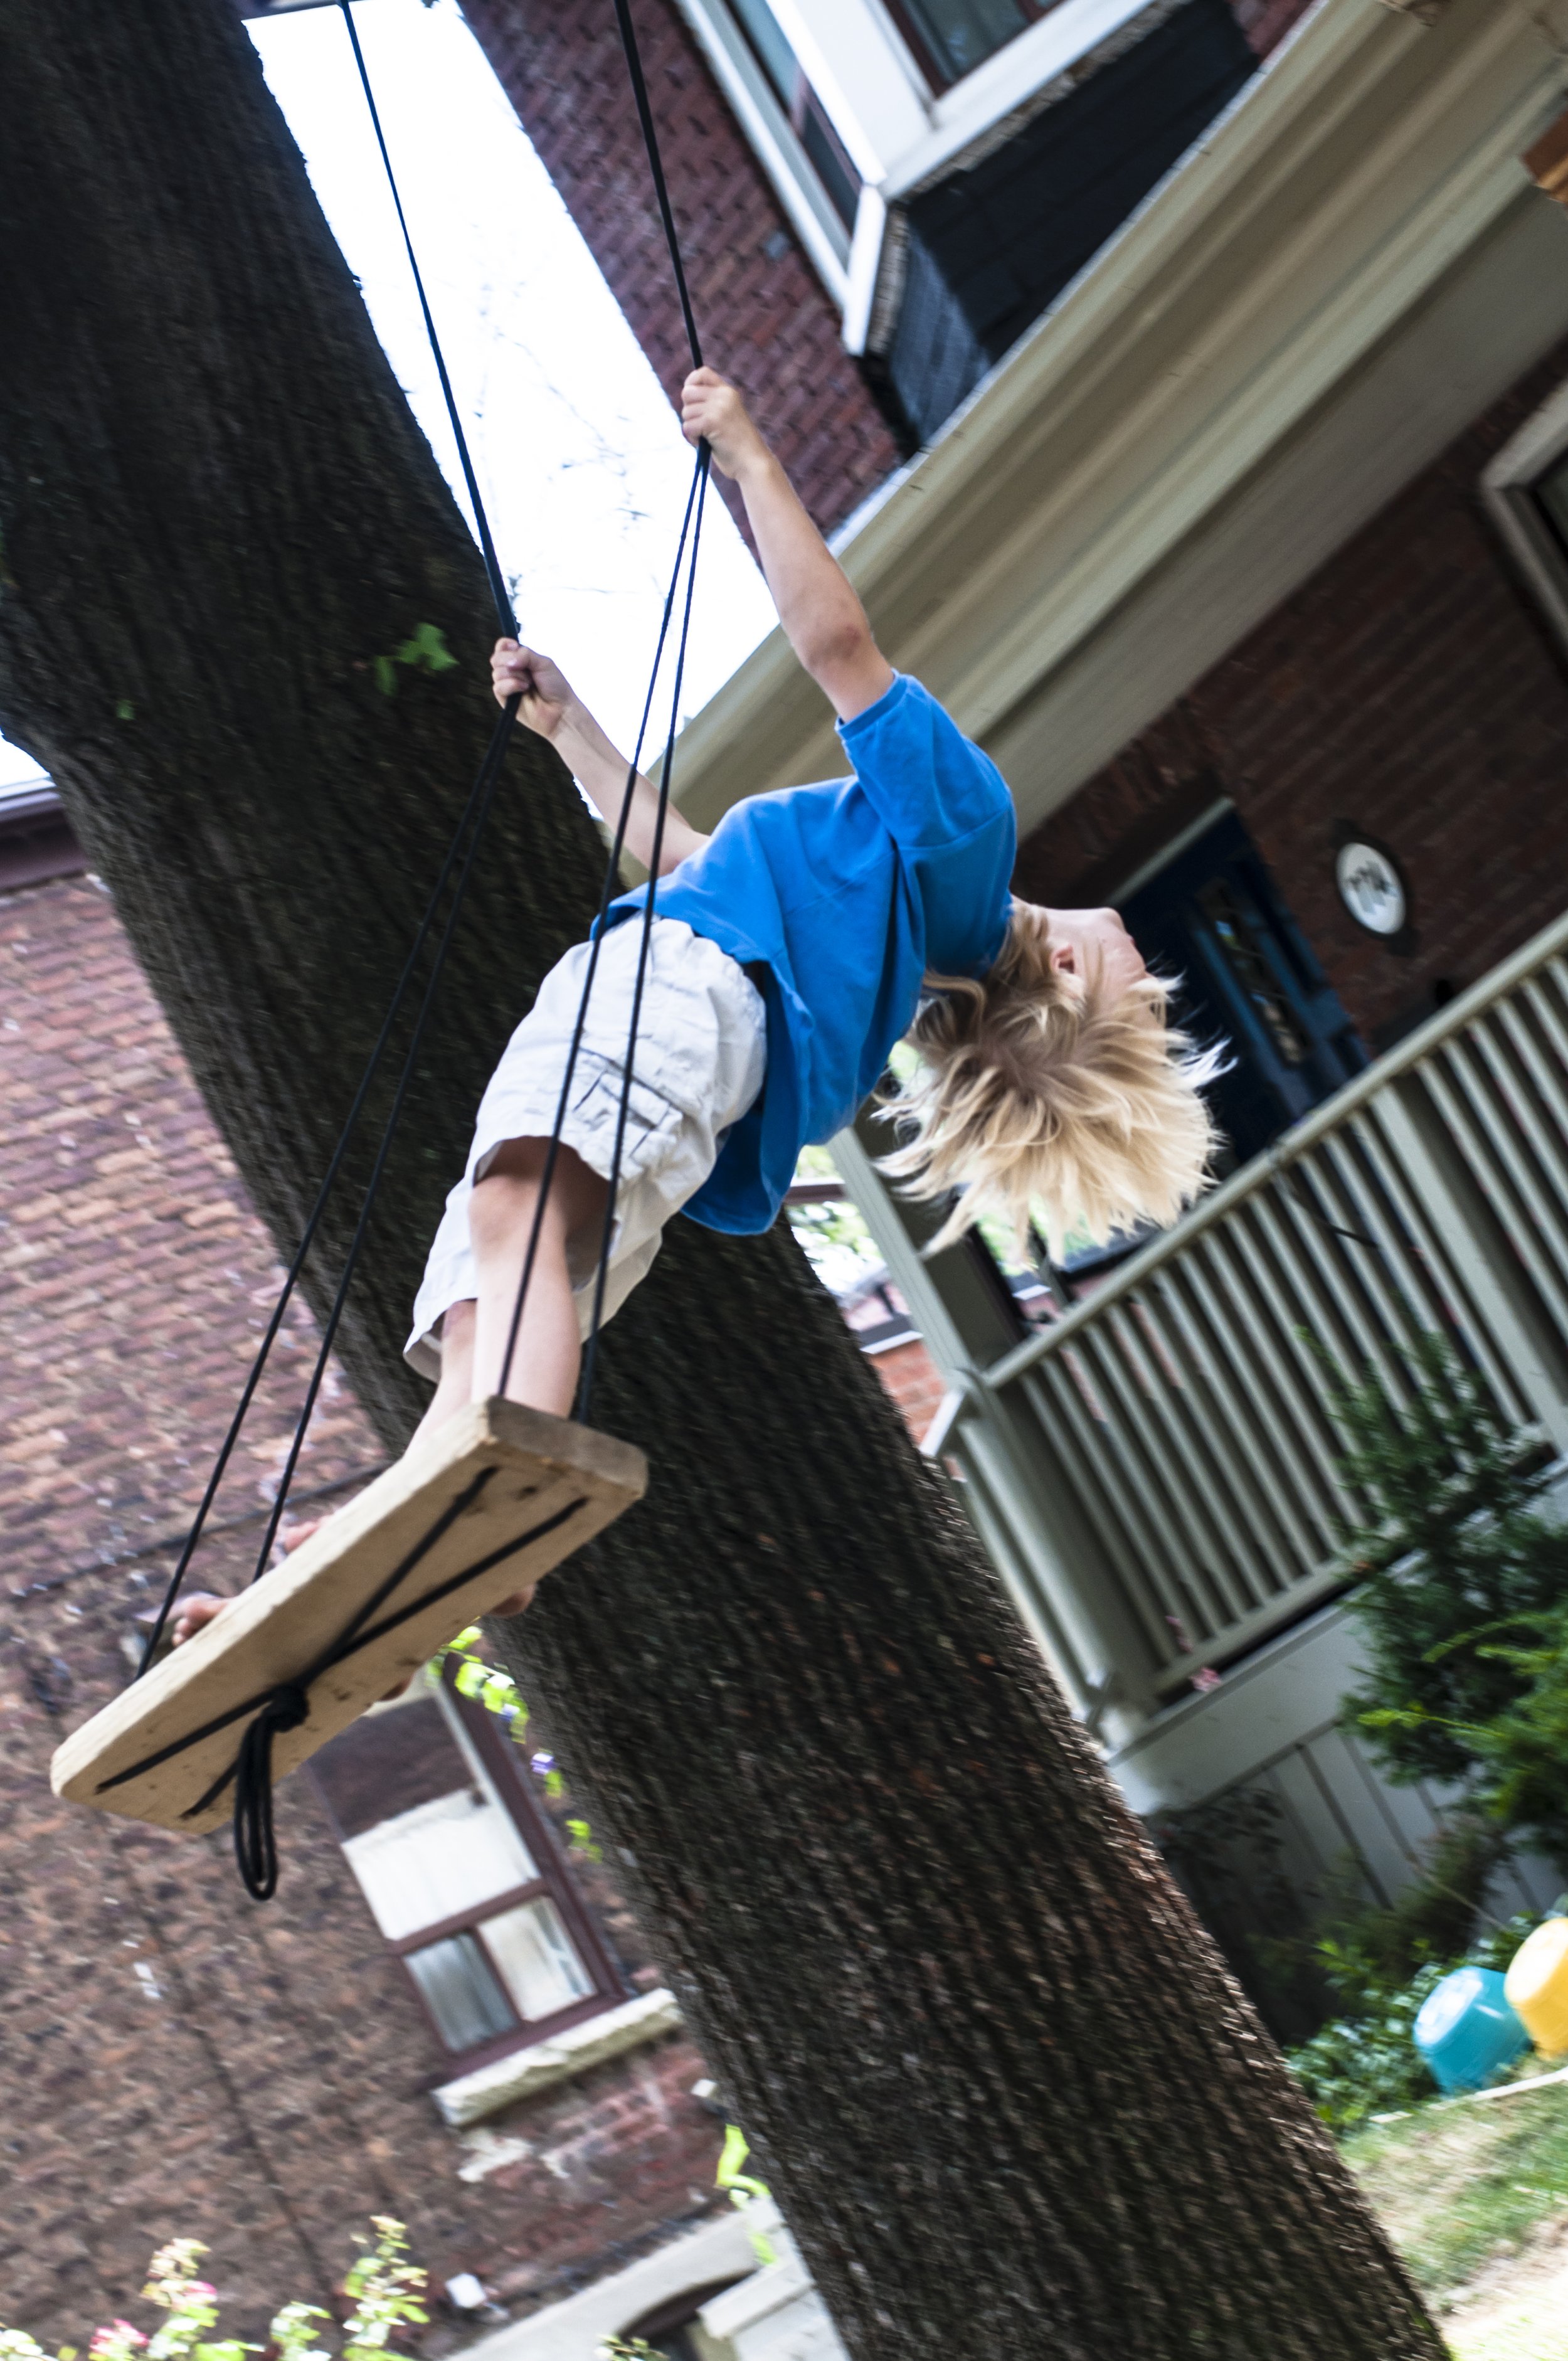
[
  {"x": 545, "y": 1364},
  {"x": 501, "y": 1211}
]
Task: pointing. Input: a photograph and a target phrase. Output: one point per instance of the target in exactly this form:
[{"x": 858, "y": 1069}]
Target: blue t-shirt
[{"x": 847, "y": 892}]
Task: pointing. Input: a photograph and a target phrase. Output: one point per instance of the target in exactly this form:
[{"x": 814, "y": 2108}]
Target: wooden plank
[{"x": 498, "y": 1483}]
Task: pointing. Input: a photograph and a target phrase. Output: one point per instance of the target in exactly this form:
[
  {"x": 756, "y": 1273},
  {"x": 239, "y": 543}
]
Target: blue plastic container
[{"x": 1466, "y": 2031}]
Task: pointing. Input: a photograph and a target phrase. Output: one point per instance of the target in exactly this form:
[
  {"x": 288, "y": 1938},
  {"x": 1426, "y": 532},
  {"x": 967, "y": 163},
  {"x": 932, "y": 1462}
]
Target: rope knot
[{"x": 254, "y": 1845}]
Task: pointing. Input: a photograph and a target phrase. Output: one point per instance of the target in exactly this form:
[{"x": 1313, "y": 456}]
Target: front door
[{"x": 1215, "y": 918}]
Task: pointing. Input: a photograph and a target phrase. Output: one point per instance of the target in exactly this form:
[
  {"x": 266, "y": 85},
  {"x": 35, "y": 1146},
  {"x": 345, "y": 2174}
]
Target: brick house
[{"x": 1226, "y": 516}]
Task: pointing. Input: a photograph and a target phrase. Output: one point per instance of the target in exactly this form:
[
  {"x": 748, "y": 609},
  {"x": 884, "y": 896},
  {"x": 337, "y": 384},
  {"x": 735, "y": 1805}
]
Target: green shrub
[
  {"x": 386, "y": 2289},
  {"x": 1463, "y": 1547},
  {"x": 1365, "y": 2062},
  {"x": 1521, "y": 1754},
  {"x": 1435, "y": 1916}
]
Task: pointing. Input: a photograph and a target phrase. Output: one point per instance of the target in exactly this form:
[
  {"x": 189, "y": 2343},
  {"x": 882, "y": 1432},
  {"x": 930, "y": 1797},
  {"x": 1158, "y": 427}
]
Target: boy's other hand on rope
[
  {"x": 824, "y": 620},
  {"x": 546, "y": 691},
  {"x": 712, "y": 412},
  {"x": 551, "y": 707},
  {"x": 197, "y": 1609}
]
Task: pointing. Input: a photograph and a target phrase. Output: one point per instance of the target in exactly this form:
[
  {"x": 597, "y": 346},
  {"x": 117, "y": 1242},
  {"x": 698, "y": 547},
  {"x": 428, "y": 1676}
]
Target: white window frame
[
  {"x": 1508, "y": 487},
  {"x": 773, "y": 141}
]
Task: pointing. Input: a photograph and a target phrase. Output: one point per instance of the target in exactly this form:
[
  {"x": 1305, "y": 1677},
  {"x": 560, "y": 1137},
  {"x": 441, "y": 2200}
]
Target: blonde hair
[{"x": 1052, "y": 1099}]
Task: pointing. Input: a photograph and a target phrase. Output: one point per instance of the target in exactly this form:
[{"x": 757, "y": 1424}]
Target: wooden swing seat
[{"x": 503, "y": 1491}]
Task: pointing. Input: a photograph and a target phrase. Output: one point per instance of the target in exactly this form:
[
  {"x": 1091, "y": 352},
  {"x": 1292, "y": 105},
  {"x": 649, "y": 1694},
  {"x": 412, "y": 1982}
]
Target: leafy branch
[
  {"x": 496, "y": 1691},
  {"x": 424, "y": 650}
]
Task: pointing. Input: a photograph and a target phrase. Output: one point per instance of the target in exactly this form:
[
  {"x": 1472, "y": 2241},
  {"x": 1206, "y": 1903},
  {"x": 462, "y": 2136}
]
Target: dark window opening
[
  {"x": 1549, "y": 494},
  {"x": 808, "y": 118},
  {"x": 463, "y": 1876},
  {"x": 668, "y": 2327},
  {"x": 994, "y": 241},
  {"x": 951, "y": 38}
]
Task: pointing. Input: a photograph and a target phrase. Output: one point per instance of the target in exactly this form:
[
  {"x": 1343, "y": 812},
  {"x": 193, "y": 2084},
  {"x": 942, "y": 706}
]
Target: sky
[{"x": 578, "y": 455}]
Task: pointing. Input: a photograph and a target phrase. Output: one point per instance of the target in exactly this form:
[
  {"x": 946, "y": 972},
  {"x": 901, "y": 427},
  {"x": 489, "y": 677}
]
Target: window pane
[
  {"x": 961, "y": 34},
  {"x": 440, "y": 1857},
  {"x": 772, "y": 48},
  {"x": 841, "y": 182},
  {"x": 424, "y": 1840},
  {"x": 538, "y": 1965},
  {"x": 461, "y": 1992}
]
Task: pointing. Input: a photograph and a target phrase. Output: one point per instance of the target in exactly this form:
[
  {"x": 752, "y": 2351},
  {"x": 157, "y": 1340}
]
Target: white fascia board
[
  {"x": 865, "y": 266},
  {"x": 772, "y": 140},
  {"x": 1005, "y": 81},
  {"x": 1329, "y": 203},
  {"x": 863, "y": 75}
]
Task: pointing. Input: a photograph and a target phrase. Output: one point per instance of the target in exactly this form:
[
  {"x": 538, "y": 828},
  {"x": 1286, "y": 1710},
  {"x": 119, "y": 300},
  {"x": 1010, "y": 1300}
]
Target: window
[
  {"x": 808, "y": 119},
  {"x": 461, "y": 1875},
  {"x": 952, "y": 37},
  {"x": 1527, "y": 491}
]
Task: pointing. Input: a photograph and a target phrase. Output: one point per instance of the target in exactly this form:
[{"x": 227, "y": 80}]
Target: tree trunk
[{"x": 1000, "y": 2082}]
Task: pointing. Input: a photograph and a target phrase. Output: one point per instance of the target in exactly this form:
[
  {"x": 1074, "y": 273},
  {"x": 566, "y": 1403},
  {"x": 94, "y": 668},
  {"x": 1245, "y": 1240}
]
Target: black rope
[
  {"x": 611, "y": 879},
  {"x": 489, "y": 775},
  {"x": 286, "y": 1705},
  {"x": 601, "y": 1276},
  {"x": 499, "y": 591},
  {"x": 292, "y": 1276},
  {"x": 698, "y": 494},
  {"x": 656, "y": 166}
]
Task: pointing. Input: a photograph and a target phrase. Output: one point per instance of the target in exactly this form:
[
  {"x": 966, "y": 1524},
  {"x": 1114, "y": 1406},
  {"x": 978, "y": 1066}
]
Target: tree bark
[{"x": 1001, "y": 2084}]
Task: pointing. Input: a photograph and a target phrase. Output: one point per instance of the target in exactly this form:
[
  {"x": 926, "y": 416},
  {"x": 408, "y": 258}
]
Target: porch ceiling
[{"x": 1345, "y": 271}]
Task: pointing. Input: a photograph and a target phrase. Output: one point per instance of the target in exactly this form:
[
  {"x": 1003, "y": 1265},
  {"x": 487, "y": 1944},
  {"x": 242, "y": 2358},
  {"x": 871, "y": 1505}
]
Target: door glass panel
[
  {"x": 425, "y": 1838},
  {"x": 538, "y": 1965},
  {"x": 961, "y": 34},
  {"x": 1215, "y": 918},
  {"x": 459, "y": 1988}
]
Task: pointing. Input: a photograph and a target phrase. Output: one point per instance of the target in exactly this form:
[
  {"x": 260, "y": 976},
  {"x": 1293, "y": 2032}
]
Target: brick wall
[
  {"x": 914, "y": 1381},
  {"x": 175, "y": 2060},
  {"x": 1411, "y": 690},
  {"x": 765, "y": 316}
]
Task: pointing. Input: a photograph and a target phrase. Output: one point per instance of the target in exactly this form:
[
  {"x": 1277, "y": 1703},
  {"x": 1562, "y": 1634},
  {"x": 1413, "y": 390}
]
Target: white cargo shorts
[{"x": 700, "y": 1057}]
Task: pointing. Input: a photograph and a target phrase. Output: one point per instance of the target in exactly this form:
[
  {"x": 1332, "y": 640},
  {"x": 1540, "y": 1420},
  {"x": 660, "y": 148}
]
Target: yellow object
[{"x": 1536, "y": 1985}]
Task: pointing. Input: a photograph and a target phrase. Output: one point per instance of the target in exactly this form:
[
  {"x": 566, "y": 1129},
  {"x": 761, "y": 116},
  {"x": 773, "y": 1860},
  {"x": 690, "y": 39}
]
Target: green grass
[{"x": 1460, "y": 2187}]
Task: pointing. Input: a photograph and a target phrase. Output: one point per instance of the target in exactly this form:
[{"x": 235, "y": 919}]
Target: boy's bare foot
[
  {"x": 197, "y": 1609},
  {"x": 194, "y": 1614}
]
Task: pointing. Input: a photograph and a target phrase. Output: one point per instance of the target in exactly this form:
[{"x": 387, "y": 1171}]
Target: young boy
[{"x": 790, "y": 952}]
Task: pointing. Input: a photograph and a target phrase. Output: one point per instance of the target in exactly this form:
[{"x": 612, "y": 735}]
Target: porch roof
[{"x": 1347, "y": 268}]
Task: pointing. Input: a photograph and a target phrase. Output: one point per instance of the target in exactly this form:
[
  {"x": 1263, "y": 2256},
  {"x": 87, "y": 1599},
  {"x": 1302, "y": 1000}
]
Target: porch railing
[{"x": 1156, "y": 1472}]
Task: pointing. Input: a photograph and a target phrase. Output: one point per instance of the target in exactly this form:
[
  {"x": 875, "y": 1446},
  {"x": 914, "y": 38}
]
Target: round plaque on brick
[{"x": 1371, "y": 888}]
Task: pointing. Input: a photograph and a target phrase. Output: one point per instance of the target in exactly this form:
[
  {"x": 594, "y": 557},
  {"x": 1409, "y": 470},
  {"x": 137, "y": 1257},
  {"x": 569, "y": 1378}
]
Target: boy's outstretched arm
[
  {"x": 550, "y": 706},
  {"x": 824, "y": 620}
]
